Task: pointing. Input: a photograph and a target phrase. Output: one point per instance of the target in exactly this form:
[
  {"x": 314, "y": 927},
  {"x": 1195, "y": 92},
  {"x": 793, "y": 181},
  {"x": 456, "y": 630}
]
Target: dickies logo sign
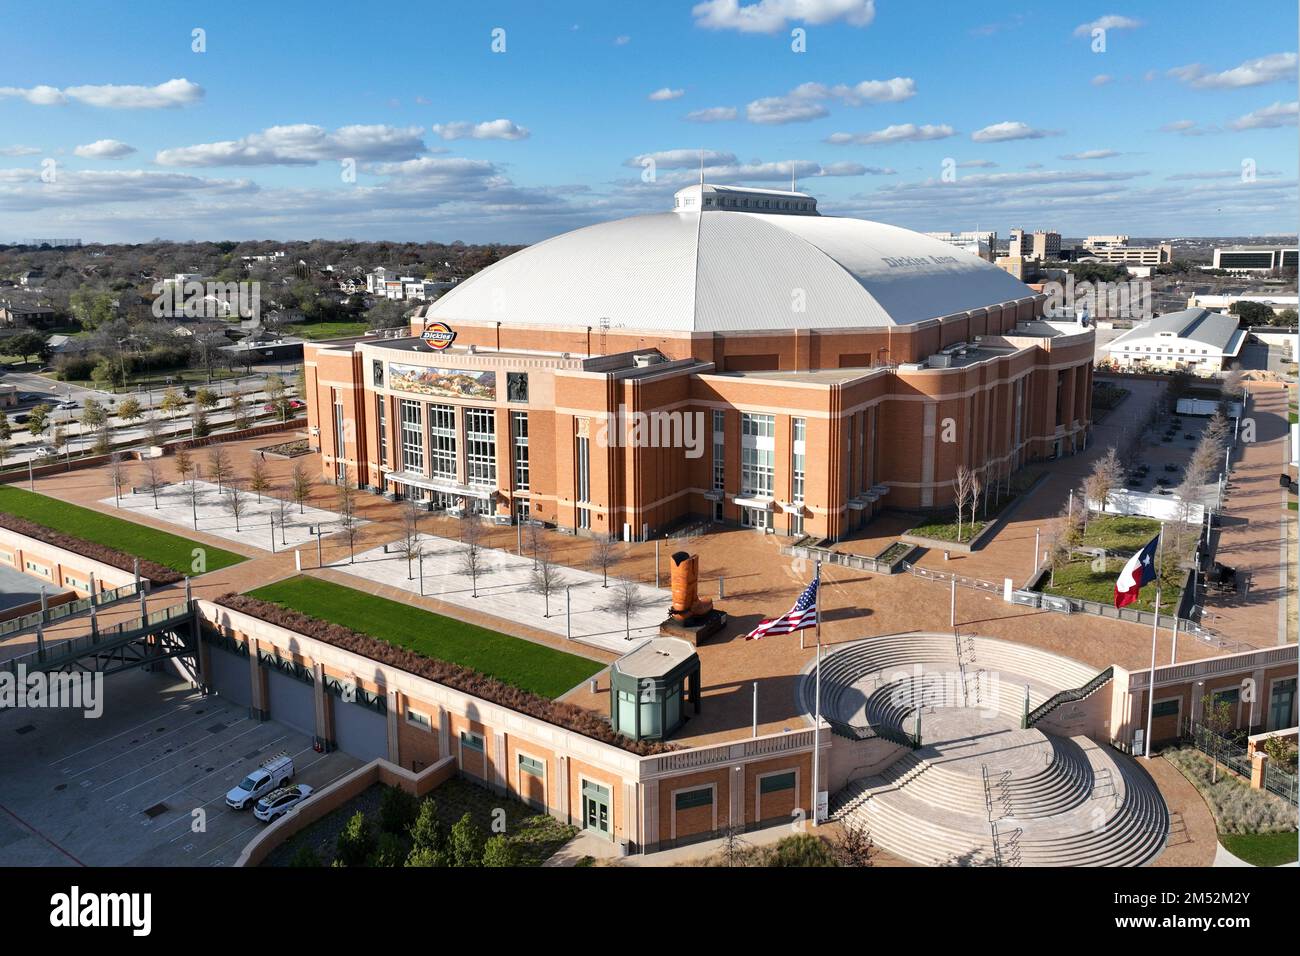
[{"x": 438, "y": 335}]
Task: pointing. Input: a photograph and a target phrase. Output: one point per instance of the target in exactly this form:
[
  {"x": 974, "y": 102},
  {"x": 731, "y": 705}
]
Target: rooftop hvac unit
[
  {"x": 646, "y": 359},
  {"x": 939, "y": 361}
]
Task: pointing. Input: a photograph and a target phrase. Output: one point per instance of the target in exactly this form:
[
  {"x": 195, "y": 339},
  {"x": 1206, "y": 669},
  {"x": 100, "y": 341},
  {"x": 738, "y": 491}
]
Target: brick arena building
[{"x": 740, "y": 358}]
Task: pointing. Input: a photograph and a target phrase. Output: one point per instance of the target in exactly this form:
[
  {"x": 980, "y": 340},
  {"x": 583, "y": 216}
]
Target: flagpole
[
  {"x": 1155, "y": 630},
  {"x": 817, "y": 707}
]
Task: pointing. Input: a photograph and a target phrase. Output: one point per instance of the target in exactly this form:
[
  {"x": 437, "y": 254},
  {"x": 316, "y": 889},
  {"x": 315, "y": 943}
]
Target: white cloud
[
  {"x": 898, "y": 133},
  {"x": 1274, "y": 68},
  {"x": 80, "y": 188},
  {"x": 769, "y": 16},
  {"x": 792, "y": 108},
  {"x": 1268, "y": 117},
  {"x": 976, "y": 164},
  {"x": 1093, "y": 154},
  {"x": 712, "y": 114},
  {"x": 300, "y": 145},
  {"x": 622, "y": 40},
  {"x": 1111, "y": 21},
  {"x": 173, "y": 93},
  {"x": 682, "y": 158},
  {"x": 665, "y": 93},
  {"x": 19, "y": 150},
  {"x": 806, "y": 101},
  {"x": 1004, "y": 132},
  {"x": 1101, "y": 79},
  {"x": 104, "y": 149},
  {"x": 36, "y": 95},
  {"x": 1184, "y": 126},
  {"x": 489, "y": 129},
  {"x": 1210, "y": 174}
]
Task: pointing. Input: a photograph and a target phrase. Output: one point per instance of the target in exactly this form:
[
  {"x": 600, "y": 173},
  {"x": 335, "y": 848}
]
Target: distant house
[
  {"x": 31, "y": 279},
  {"x": 59, "y": 344},
  {"x": 1194, "y": 340},
  {"x": 32, "y": 316}
]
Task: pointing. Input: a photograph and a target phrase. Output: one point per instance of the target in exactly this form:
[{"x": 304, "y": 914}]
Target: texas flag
[{"x": 1140, "y": 570}]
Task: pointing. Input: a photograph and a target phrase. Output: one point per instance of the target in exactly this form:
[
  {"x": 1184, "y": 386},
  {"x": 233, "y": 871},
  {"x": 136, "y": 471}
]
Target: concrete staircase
[{"x": 980, "y": 790}]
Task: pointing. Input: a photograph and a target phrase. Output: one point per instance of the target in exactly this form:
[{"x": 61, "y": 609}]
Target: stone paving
[
  {"x": 210, "y": 513},
  {"x": 580, "y": 609}
]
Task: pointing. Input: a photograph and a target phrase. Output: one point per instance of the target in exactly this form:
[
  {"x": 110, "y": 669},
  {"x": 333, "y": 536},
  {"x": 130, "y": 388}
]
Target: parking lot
[{"x": 144, "y": 784}]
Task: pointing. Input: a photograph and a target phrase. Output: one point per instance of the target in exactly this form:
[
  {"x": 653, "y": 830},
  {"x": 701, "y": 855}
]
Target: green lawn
[
  {"x": 1123, "y": 533},
  {"x": 1078, "y": 580},
  {"x": 513, "y": 660},
  {"x": 944, "y": 527},
  {"x": 1261, "y": 849},
  {"x": 169, "y": 550},
  {"x": 326, "y": 330}
]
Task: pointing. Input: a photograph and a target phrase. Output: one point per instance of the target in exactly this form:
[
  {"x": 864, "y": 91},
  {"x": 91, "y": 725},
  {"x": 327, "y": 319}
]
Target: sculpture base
[{"x": 695, "y": 629}]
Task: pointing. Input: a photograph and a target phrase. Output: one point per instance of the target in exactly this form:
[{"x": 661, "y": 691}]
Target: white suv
[{"x": 279, "y": 802}]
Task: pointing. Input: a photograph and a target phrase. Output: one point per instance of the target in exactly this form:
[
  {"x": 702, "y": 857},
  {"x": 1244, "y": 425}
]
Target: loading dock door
[
  {"x": 291, "y": 701},
  {"x": 230, "y": 675},
  {"x": 360, "y": 731}
]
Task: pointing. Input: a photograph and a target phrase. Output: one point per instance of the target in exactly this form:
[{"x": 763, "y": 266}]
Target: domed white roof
[{"x": 722, "y": 271}]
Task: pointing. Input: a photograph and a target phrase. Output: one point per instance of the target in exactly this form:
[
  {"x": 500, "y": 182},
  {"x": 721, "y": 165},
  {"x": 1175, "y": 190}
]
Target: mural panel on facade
[{"x": 443, "y": 382}]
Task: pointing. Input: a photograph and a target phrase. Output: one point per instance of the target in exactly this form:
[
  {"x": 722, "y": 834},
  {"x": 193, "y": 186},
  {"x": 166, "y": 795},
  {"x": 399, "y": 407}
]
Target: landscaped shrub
[
  {"x": 156, "y": 573},
  {"x": 500, "y": 851},
  {"x": 568, "y": 716},
  {"x": 397, "y": 810},
  {"x": 428, "y": 831},
  {"x": 802, "y": 850},
  {"x": 1237, "y": 807},
  {"x": 389, "y": 851},
  {"x": 426, "y": 857},
  {"x": 356, "y": 842},
  {"x": 466, "y": 843}
]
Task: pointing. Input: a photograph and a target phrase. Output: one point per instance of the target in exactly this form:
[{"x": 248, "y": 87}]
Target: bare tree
[
  {"x": 153, "y": 479},
  {"x": 976, "y": 486},
  {"x": 193, "y": 491},
  {"x": 301, "y": 483},
  {"x": 184, "y": 463},
  {"x": 535, "y": 535},
  {"x": 259, "y": 480},
  {"x": 474, "y": 538},
  {"x": 412, "y": 547},
  {"x": 349, "y": 523},
  {"x": 282, "y": 512},
  {"x": 605, "y": 553},
  {"x": 219, "y": 466},
  {"x": 117, "y": 473},
  {"x": 626, "y": 601},
  {"x": 546, "y": 576},
  {"x": 961, "y": 488},
  {"x": 235, "y": 503},
  {"x": 153, "y": 428}
]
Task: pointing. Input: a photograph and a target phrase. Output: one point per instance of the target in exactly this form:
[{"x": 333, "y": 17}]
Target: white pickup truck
[{"x": 273, "y": 773}]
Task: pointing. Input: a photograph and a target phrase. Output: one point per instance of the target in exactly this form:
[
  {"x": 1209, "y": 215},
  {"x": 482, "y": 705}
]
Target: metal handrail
[{"x": 1066, "y": 696}]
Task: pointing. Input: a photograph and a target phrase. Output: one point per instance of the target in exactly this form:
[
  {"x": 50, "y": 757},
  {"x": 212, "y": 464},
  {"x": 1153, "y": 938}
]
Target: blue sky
[{"x": 927, "y": 115}]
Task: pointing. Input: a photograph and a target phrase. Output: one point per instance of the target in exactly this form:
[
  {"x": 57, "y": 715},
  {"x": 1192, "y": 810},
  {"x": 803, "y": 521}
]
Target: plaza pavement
[{"x": 581, "y": 609}]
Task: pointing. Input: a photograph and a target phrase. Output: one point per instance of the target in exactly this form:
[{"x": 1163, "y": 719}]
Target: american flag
[{"x": 802, "y": 615}]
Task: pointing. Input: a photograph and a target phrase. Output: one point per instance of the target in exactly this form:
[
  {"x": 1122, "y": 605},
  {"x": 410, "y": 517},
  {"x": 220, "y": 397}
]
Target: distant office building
[
  {"x": 1133, "y": 255},
  {"x": 1026, "y": 270},
  {"x": 1222, "y": 303},
  {"x": 1105, "y": 242},
  {"x": 1034, "y": 245},
  {"x": 1254, "y": 258},
  {"x": 980, "y": 243}
]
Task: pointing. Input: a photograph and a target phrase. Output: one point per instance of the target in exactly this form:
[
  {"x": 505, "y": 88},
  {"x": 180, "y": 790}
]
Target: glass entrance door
[{"x": 595, "y": 809}]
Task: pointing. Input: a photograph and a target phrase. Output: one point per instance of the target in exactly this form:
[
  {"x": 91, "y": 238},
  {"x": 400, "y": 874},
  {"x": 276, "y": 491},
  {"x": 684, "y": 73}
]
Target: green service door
[{"x": 595, "y": 808}]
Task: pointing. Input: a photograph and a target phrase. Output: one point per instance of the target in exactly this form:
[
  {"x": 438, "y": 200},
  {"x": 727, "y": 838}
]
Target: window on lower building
[
  {"x": 442, "y": 441},
  {"x": 519, "y": 431},
  {"x": 532, "y": 766},
  {"x": 381, "y": 420},
  {"x": 423, "y": 721},
  {"x": 470, "y": 741},
  {"x": 776, "y": 782},
  {"x": 1165, "y": 708},
  {"x": 689, "y": 799}
]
